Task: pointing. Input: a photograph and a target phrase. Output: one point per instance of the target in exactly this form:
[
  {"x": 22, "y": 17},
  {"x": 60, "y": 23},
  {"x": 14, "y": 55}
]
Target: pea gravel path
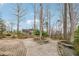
[
  {"x": 27, "y": 47},
  {"x": 34, "y": 49}
]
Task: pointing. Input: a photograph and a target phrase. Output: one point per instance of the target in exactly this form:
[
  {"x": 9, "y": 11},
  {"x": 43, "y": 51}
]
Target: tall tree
[
  {"x": 11, "y": 26},
  {"x": 19, "y": 13},
  {"x": 35, "y": 16},
  {"x": 65, "y": 21},
  {"x": 47, "y": 20},
  {"x": 41, "y": 20},
  {"x": 71, "y": 14},
  {"x": 49, "y": 23}
]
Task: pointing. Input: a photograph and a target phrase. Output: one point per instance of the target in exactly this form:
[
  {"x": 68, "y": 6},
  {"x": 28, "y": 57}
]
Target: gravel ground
[
  {"x": 27, "y": 47},
  {"x": 12, "y": 48},
  {"x": 34, "y": 49}
]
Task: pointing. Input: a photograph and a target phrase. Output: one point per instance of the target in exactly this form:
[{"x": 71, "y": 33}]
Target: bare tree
[
  {"x": 47, "y": 13},
  {"x": 11, "y": 27},
  {"x": 65, "y": 21},
  {"x": 48, "y": 20},
  {"x": 19, "y": 13},
  {"x": 41, "y": 20},
  {"x": 71, "y": 14},
  {"x": 49, "y": 24},
  {"x": 34, "y": 16}
]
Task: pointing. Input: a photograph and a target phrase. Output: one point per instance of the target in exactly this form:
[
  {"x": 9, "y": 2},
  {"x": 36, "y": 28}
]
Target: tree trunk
[
  {"x": 71, "y": 22},
  {"x": 18, "y": 26},
  {"x": 47, "y": 11},
  {"x": 41, "y": 20},
  {"x": 34, "y": 16},
  {"x": 49, "y": 23},
  {"x": 18, "y": 10},
  {"x": 65, "y": 22}
]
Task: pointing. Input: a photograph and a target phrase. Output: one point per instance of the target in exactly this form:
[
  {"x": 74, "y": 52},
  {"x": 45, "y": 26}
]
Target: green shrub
[
  {"x": 45, "y": 34},
  {"x": 37, "y": 32},
  {"x": 8, "y": 34},
  {"x": 76, "y": 41}
]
